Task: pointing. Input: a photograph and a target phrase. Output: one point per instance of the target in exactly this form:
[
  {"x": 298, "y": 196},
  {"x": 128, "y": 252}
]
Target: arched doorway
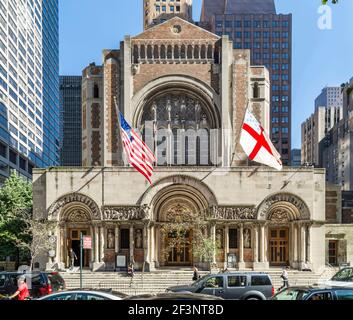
[
  {"x": 179, "y": 212},
  {"x": 287, "y": 220},
  {"x": 76, "y": 220}
]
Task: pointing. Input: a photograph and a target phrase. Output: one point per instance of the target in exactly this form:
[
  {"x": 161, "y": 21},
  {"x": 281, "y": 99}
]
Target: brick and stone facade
[{"x": 180, "y": 78}]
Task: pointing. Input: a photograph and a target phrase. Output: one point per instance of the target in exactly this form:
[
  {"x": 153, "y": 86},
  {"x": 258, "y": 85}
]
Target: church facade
[{"x": 186, "y": 90}]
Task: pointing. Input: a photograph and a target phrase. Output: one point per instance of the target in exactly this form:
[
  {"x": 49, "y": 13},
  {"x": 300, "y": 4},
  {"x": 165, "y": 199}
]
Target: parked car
[
  {"x": 343, "y": 278},
  {"x": 39, "y": 283},
  {"x": 84, "y": 295},
  {"x": 237, "y": 285},
  {"x": 173, "y": 296},
  {"x": 315, "y": 293}
]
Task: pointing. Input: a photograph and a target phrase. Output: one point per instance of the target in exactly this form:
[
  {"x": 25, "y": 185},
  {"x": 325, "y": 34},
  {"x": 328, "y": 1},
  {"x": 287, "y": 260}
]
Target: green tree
[
  {"x": 15, "y": 205},
  {"x": 333, "y": 1}
]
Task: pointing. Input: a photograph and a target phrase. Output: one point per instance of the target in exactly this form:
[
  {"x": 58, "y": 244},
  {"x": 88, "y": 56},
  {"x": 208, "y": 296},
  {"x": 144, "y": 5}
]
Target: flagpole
[
  {"x": 236, "y": 143},
  {"x": 119, "y": 125}
]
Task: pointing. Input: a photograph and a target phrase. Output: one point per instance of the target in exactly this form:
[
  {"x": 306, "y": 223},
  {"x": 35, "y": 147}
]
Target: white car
[
  {"x": 343, "y": 278},
  {"x": 83, "y": 295}
]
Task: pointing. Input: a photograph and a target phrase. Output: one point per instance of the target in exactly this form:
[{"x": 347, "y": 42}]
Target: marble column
[
  {"x": 302, "y": 245},
  {"x": 58, "y": 257},
  {"x": 117, "y": 236},
  {"x": 145, "y": 245},
  {"x": 226, "y": 246},
  {"x": 308, "y": 245},
  {"x": 102, "y": 245},
  {"x": 132, "y": 243},
  {"x": 262, "y": 243},
  {"x": 295, "y": 244},
  {"x": 256, "y": 244},
  {"x": 96, "y": 244},
  {"x": 152, "y": 246},
  {"x": 213, "y": 237},
  {"x": 241, "y": 264}
]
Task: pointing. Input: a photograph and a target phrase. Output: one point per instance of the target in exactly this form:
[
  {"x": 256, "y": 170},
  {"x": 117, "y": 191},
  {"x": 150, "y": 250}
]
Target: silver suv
[{"x": 234, "y": 285}]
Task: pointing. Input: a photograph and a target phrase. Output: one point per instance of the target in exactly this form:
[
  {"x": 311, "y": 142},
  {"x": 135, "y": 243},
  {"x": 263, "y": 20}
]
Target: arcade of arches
[{"x": 163, "y": 232}]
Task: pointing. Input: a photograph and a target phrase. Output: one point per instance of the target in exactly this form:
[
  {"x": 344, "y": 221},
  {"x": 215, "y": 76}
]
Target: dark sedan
[
  {"x": 315, "y": 293},
  {"x": 173, "y": 296}
]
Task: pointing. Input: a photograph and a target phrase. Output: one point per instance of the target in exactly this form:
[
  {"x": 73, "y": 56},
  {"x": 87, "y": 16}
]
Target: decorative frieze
[
  {"x": 233, "y": 213},
  {"x": 56, "y": 208},
  {"x": 302, "y": 208},
  {"x": 126, "y": 213}
]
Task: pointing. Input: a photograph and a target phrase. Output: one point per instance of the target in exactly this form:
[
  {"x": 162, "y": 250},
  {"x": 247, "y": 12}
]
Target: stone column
[
  {"x": 64, "y": 246},
  {"x": 226, "y": 246},
  {"x": 213, "y": 237},
  {"x": 262, "y": 243},
  {"x": 308, "y": 247},
  {"x": 132, "y": 243},
  {"x": 241, "y": 264},
  {"x": 146, "y": 246},
  {"x": 59, "y": 233},
  {"x": 117, "y": 236},
  {"x": 152, "y": 246},
  {"x": 256, "y": 244},
  {"x": 96, "y": 244},
  {"x": 302, "y": 245},
  {"x": 102, "y": 245},
  {"x": 295, "y": 245}
]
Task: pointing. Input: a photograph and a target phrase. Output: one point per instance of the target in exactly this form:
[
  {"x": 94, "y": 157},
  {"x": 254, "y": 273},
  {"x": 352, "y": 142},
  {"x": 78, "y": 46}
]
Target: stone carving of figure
[
  {"x": 247, "y": 238},
  {"x": 138, "y": 239},
  {"x": 111, "y": 239},
  {"x": 219, "y": 238}
]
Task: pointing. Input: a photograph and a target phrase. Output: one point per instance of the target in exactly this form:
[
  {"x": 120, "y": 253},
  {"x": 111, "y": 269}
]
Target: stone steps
[{"x": 158, "y": 281}]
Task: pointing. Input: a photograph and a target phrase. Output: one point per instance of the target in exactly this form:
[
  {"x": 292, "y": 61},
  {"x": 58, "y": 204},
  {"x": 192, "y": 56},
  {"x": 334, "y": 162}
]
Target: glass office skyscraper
[
  {"x": 29, "y": 85},
  {"x": 255, "y": 25},
  {"x": 71, "y": 121},
  {"x": 51, "y": 99}
]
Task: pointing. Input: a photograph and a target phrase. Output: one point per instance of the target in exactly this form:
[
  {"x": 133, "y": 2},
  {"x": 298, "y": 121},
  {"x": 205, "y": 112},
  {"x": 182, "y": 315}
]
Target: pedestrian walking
[
  {"x": 22, "y": 292},
  {"x": 284, "y": 277},
  {"x": 73, "y": 258},
  {"x": 196, "y": 275}
]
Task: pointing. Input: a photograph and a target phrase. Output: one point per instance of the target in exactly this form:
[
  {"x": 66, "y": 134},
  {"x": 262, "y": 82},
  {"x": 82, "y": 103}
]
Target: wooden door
[{"x": 278, "y": 246}]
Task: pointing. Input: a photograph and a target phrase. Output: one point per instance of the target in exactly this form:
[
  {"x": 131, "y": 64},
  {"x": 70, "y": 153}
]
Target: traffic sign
[{"x": 87, "y": 242}]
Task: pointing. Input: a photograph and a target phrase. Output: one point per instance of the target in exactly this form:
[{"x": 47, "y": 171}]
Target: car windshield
[
  {"x": 343, "y": 275},
  {"x": 291, "y": 294},
  {"x": 197, "y": 283}
]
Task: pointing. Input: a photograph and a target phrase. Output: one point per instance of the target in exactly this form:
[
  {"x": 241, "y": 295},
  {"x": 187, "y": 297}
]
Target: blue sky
[{"x": 320, "y": 57}]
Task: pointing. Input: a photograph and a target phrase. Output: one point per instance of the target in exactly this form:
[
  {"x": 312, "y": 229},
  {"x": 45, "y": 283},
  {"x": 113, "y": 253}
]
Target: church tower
[{"x": 157, "y": 11}]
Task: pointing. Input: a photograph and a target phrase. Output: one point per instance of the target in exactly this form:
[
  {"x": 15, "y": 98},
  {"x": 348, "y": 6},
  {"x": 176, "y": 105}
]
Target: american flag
[{"x": 138, "y": 153}]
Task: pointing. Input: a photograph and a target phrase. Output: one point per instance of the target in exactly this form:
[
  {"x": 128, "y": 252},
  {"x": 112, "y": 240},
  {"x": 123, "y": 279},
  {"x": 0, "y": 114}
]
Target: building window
[
  {"x": 125, "y": 239},
  {"x": 233, "y": 238},
  {"x": 96, "y": 91},
  {"x": 13, "y": 157},
  {"x": 256, "y": 91},
  {"x": 332, "y": 252}
]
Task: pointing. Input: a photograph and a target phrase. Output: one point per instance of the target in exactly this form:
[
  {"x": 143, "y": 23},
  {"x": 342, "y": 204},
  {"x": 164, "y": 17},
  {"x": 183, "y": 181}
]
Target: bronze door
[
  {"x": 278, "y": 245},
  {"x": 179, "y": 248}
]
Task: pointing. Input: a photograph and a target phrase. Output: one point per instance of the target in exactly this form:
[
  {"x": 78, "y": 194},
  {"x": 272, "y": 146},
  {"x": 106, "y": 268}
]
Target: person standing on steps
[
  {"x": 284, "y": 277},
  {"x": 196, "y": 275},
  {"x": 73, "y": 257}
]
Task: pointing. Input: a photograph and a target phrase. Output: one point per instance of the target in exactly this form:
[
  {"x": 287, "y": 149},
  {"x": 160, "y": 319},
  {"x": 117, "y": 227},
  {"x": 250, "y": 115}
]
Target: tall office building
[
  {"x": 71, "y": 121},
  {"x": 156, "y": 11},
  {"x": 51, "y": 107},
  {"x": 329, "y": 97},
  {"x": 28, "y": 98},
  {"x": 255, "y": 25},
  {"x": 328, "y": 113}
]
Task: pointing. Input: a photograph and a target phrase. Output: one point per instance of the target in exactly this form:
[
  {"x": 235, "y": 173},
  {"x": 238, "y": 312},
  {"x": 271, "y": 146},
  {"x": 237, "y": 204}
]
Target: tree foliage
[
  {"x": 326, "y": 1},
  {"x": 15, "y": 204}
]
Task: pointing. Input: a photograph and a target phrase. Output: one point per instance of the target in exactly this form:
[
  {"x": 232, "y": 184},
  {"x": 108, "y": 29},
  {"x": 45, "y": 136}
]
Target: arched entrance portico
[
  {"x": 179, "y": 216},
  {"x": 286, "y": 236}
]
